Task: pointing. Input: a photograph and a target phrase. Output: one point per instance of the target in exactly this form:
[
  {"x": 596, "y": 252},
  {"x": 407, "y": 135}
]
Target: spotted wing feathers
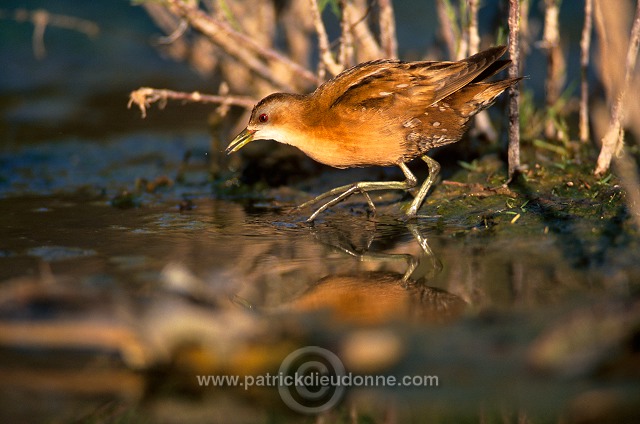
[{"x": 380, "y": 84}]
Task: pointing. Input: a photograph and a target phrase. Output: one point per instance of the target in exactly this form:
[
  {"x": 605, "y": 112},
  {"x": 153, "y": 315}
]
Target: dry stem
[
  {"x": 585, "y": 47},
  {"x": 346, "y": 53},
  {"x": 525, "y": 35},
  {"x": 145, "y": 96},
  {"x": 555, "y": 63},
  {"x": 447, "y": 30},
  {"x": 514, "y": 93},
  {"x": 240, "y": 46},
  {"x": 612, "y": 142},
  {"x": 327, "y": 61},
  {"x": 388, "y": 38},
  {"x": 474, "y": 35},
  {"x": 367, "y": 48},
  {"x": 40, "y": 19}
]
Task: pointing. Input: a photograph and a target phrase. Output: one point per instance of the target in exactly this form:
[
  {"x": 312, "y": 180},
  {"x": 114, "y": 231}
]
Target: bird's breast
[{"x": 353, "y": 148}]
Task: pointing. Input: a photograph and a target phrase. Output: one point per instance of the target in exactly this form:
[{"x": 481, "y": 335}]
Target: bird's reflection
[{"x": 372, "y": 297}]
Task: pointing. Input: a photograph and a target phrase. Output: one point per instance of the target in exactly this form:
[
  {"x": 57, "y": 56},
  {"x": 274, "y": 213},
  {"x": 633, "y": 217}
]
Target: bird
[{"x": 384, "y": 112}]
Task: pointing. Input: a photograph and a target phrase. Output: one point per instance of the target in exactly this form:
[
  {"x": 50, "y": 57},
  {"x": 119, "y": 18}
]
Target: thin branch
[
  {"x": 604, "y": 49},
  {"x": 346, "y": 52},
  {"x": 145, "y": 96},
  {"x": 89, "y": 28},
  {"x": 474, "y": 35},
  {"x": 388, "y": 39},
  {"x": 241, "y": 46},
  {"x": 555, "y": 63},
  {"x": 367, "y": 48},
  {"x": 613, "y": 140},
  {"x": 514, "y": 93},
  {"x": 482, "y": 124},
  {"x": 585, "y": 47},
  {"x": 463, "y": 40},
  {"x": 525, "y": 33},
  {"x": 40, "y": 19},
  {"x": 447, "y": 28},
  {"x": 327, "y": 60}
]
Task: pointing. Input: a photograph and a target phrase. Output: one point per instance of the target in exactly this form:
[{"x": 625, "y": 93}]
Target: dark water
[
  {"x": 126, "y": 272},
  {"x": 115, "y": 311}
]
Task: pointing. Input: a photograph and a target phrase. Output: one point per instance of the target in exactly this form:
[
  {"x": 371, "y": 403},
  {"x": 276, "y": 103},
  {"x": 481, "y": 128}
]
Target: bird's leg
[
  {"x": 329, "y": 193},
  {"x": 335, "y": 201},
  {"x": 434, "y": 170},
  {"x": 362, "y": 187}
]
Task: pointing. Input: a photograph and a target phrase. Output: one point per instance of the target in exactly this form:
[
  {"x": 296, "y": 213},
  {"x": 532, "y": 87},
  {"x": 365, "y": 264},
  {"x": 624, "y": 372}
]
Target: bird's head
[{"x": 270, "y": 120}]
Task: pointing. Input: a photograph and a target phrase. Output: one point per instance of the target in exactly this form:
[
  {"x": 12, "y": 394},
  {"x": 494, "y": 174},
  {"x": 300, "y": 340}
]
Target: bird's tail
[{"x": 481, "y": 95}]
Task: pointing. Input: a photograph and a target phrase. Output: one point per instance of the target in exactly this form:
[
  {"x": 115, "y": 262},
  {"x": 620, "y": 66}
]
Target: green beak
[{"x": 243, "y": 138}]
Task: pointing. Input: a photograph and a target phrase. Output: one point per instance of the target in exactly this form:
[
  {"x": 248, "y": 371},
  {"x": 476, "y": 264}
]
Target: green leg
[
  {"x": 434, "y": 170},
  {"x": 362, "y": 187}
]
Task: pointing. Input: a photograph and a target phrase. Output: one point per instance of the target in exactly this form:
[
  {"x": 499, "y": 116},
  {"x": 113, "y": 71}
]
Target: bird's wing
[
  {"x": 381, "y": 84},
  {"x": 355, "y": 85}
]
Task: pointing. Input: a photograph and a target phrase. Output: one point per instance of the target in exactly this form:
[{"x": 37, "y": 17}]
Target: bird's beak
[{"x": 243, "y": 138}]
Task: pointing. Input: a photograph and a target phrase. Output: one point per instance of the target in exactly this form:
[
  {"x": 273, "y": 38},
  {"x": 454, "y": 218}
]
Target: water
[{"x": 138, "y": 293}]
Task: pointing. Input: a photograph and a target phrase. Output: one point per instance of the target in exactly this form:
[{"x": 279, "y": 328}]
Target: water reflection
[
  {"x": 375, "y": 297},
  {"x": 221, "y": 289}
]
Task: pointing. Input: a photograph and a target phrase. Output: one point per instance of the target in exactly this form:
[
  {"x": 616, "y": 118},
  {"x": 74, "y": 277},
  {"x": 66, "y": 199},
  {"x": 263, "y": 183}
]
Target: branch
[
  {"x": 447, "y": 27},
  {"x": 346, "y": 53},
  {"x": 474, "y": 36},
  {"x": 366, "y": 45},
  {"x": 525, "y": 32},
  {"x": 40, "y": 18},
  {"x": 585, "y": 47},
  {"x": 327, "y": 60},
  {"x": 240, "y": 46},
  {"x": 388, "y": 39},
  {"x": 145, "y": 96},
  {"x": 612, "y": 142},
  {"x": 555, "y": 64},
  {"x": 514, "y": 93}
]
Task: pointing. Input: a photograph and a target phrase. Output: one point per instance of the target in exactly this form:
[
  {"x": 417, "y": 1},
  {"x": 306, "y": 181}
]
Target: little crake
[{"x": 384, "y": 112}]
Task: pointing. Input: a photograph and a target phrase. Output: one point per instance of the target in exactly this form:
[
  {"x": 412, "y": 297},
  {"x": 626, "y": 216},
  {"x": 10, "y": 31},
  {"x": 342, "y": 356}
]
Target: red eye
[{"x": 263, "y": 117}]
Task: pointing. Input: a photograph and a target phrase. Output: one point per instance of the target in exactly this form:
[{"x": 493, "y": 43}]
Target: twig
[
  {"x": 388, "y": 39},
  {"x": 603, "y": 47},
  {"x": 241, "y": 46},
  {"x": 612, "y": 142},
  {"x": 482, "y": 124},
  {"x": 327, "y": 61},
  {"x": 345, "y": 55},
  {"x": 463, "y": 40},
  {"x": 40, "y": 19},
  {"x": 474, "y": 36},
  {"x": 514, "y": 93},
  {"x": 174, "y": 35},
  {"x": 585, "y": 47},
  {"x": 447, "y": 29},
  {"x": 145, "y": 96},
  {"x": 525, "y": 35},
  {"x": 367, "y": 48},
  {"x": 555, "y": 63}
]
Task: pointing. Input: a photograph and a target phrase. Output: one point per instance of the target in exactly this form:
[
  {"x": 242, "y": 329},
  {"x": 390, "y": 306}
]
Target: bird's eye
[{"x": 263, "y": 117}]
